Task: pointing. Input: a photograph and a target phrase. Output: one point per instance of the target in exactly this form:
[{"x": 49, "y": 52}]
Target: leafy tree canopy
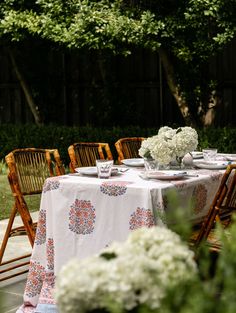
[
  {"x": 184, "y": 32},
  {"x": 188, "y": 28}
]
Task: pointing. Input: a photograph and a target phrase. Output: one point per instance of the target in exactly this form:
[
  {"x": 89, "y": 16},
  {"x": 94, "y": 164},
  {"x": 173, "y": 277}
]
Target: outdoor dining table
[{"x": 80, "y": 215}]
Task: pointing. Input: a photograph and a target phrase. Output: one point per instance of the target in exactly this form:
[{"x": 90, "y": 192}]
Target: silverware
[
  {"x": 191, "y": 175},
  {"x": 122, "y": 170}
]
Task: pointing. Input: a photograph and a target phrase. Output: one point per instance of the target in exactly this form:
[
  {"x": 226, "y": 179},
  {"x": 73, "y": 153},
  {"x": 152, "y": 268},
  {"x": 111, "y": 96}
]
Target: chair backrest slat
[
  {"x": 223, "y": 205},
  {"x": 230, "y": 200},
  {"x": 30, "y": 167},
  {"x": 86, "y": 154},
  {"x": 128, "y": 147}
]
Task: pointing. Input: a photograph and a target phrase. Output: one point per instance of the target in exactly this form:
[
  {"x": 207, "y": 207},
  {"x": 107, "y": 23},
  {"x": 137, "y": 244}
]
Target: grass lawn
[{"x": 7, "y": 200}]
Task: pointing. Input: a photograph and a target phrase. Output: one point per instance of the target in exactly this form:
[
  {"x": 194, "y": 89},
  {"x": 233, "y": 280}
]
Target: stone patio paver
[{"x": 11, "y": 290}]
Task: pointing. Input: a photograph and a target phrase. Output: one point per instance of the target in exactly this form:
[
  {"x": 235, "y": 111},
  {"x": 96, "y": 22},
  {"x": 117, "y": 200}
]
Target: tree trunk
[
  {"x": 175, "y": 89},
  {"x": 33, "y": 107},
  {"x": 213, "y": 113}
]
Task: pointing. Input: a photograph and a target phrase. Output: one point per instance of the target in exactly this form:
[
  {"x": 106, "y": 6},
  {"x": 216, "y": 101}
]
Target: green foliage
[
  {"x": 193, "y": 29},
  {"x": 214, "y": 288},
  {"x": 60, "y": 137},
  {"x": 222, "y": 138},
  {"x": 190, "y": 31},
  {"x": 3, "y": 167},
  {"x": 78, "y": 24},
  {"x": 7, "y": 199},
  {"x": 177, "y": 215}
]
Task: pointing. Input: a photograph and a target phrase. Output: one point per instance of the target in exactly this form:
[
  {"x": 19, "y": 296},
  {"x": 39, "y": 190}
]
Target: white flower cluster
[
  {"x": 169, "y": 144},
  {"x": 138, "y": 271}
]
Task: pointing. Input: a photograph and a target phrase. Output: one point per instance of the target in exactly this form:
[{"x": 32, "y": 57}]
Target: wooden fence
[{"x": 102, "y": 90}]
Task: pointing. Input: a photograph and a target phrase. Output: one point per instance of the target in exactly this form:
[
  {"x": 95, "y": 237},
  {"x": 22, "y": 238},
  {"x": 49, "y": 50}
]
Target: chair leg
[
  {"x": 8, "y": 232},
  {"x": 27, "y": 229},
  {"x": 26, "y": 219}
]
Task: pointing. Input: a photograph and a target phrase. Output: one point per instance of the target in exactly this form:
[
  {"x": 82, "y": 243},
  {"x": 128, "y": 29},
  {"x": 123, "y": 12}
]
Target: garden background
[{"x": 101, "y": 70}]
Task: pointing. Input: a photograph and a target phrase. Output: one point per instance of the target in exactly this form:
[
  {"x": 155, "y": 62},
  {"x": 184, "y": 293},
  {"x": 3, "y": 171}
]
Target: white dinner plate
[
  {"x": 166, "y": 175},
  {"x": 231, "y": 157},
  {"x": 92, "y": 171},
  {"x": 136, "y": 162},
  {"x": 211, "y": 165},
  {"x": 197, "y": 154}
]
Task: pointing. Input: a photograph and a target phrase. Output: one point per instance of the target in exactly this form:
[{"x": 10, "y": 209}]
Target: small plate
[
  {"x": 231, "y": 157},
  {"x": 168, "y": 175},
  {"x": 211, "y": 165},
  {"x": 197, "y": 154},
  {"x": 136, "y": 162},
  {"x": 92, "y": 171}
]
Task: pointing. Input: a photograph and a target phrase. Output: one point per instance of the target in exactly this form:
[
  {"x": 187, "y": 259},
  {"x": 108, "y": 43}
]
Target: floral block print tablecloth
[{"x": 80, "y": 215}]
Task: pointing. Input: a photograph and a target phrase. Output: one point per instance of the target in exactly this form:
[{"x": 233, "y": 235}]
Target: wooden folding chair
[
  {"x": 86, "y": 154},
  {"x": 221, "y": 210},
  {"x": 128, "y": 147},
  {"x": 28, "y": 169}
]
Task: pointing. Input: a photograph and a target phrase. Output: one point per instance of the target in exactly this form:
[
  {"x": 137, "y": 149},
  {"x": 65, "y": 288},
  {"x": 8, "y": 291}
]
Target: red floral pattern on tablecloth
[
  {"x": 82, "y": 217},
  {"x": 141, "y": 217},
  {"x": 41, "y": 228},
  {"x": 51, "y": 183},
  {"x": 35, "y": 279},
  {"x": 50, "y": 253},
  {"x": 114, "y": 188},
  {"x": 26, "y": 308},
  {"x": 46, "y": 296},
  {"x": 165, "y": 201},
  {"x": 199, "y": 197},
  {"x": 179, "y": 184},
  {"x": 216, "y": 176},
  {"x": 161, "y": 207}
]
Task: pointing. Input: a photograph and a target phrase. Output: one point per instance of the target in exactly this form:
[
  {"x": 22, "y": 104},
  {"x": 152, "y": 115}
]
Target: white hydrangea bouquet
[
  {"x": 126, "y": 275},
  {"x": 169, "y": 144}
]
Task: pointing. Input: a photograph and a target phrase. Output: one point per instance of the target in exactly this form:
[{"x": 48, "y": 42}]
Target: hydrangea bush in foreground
[{"x": 126, "y": 275}]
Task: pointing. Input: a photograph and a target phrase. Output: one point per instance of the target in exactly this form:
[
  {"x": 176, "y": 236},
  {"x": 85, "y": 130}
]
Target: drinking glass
[
  {"x": 209, "y": 154},
  {"x": 104, "y": 168},
  {"x": 150, "y": 164}
]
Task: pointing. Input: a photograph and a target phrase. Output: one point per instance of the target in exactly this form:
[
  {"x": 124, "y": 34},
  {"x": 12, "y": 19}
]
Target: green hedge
[{"x": 60, "y": 137}]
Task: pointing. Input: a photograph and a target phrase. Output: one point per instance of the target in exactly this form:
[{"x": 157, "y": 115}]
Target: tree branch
[
  {"x": 174, "y": 88},
  {"x": 26, "y": 90}
]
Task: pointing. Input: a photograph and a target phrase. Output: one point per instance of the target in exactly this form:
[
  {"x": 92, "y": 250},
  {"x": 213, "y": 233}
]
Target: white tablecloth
[{"x": 81, "y": 215}]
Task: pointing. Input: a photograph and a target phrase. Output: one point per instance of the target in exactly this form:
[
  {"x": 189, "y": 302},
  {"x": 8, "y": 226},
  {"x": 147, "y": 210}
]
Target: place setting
[
  {"x": 197, "y": 155},
  {"x": 168, "y": 175},
  {"x": 133, "y": 162},
  {"x": 163, "y": 175},
  {"x": 212, "y": 160},
  {"x": 211, "y": 165},
  {"x": 230, "y": 157},
  {"x": 104, "y": 169},
  {"x": 92, "y": 171}
]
